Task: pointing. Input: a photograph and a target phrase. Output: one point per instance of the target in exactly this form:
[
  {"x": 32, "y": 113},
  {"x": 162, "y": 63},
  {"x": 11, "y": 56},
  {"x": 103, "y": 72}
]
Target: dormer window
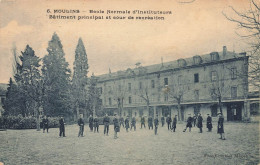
[
  {"x": 214, "y": 56},
  {"x": 197, "y": 60},
  {"x": 182, "y": 63}
]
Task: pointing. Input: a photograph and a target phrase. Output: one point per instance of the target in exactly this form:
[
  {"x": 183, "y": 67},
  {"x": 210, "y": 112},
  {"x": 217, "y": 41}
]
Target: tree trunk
[
  {"x": 179, "y": 112},
  {"x": 220, "y": 105}
]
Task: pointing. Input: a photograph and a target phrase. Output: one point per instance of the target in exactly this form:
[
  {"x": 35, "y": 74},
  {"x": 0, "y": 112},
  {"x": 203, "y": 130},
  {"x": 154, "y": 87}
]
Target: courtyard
[{"x": 135, "y": 147}]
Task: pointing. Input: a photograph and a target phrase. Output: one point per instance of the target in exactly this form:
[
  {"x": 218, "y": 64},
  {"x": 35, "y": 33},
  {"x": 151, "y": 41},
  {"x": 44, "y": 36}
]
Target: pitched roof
[{"x": 206, "y": 58}]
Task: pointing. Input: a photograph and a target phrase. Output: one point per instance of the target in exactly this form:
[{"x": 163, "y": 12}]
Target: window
[
  {"x": 165, "y": 81},
  {"x": 214, "y": 56},
  {"x": 100, "y": 90},
  {"x": 153, "y": 84},
  {"x": 196, "y": 78},
  {"x": 130, "y": 100},
  {"x": 213, "y": 76},
  {"x": 196, "y": 95},
  {"x": 233, "y": 73},
  {"x": 110, "y": 101},
  {"x": 119, "y": 88},
  {"x": 180, "y": 79},
  {"x": 233, "y": 92},
  {"x": 129, "y": 87},
  {"x": 141, "y": 112},
  {"x": 196, "y": 110},
  {"x": 197, "y": 60},
  {"x": 166, "y": 97},
  {"x": 135, "y": 114},
  {"x": 109, "y": 89},
  {"x": 140, "y": 85},
  {"x": 214, "y": 110},
  {"x": 124, "y": 113}
]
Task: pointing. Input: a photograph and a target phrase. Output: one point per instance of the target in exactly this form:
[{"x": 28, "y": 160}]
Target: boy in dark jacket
[{"x": 81, "y": 125}]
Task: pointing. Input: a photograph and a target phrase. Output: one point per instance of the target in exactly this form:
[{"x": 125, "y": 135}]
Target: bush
[{"x": 19, "y": 122}]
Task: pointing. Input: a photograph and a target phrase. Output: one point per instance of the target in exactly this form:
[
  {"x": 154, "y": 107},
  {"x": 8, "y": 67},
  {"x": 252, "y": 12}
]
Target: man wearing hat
[
  {"x": 162, "y": 120},
  {"x": 121, "y": 120},
  {"x": 62, "y": 126},
  {"x": 150, "y": 122},
  {"x": 45, "y": 123},
  {"x": 142, "y": 122},
  {"x": 127, "y": 123},
  {"x": 81, "y": 125},
  {"x": 96, "y": 124},
  {"x": 169, "y": 121},
  {"x": 200, "y": 119},
  {"x": 209, "y": 123},
  {"x": 133, "y": 123},
  {"x": 156, "y": 123},
  {"x": 221, "y": 126},
  {"x": 91, "y": 123},
  {"x": 174, "y": 122},
  {"x": 189, "y": 123},
  {"x": 116, "y": 126},
  {"x": 106, "y": 121}
]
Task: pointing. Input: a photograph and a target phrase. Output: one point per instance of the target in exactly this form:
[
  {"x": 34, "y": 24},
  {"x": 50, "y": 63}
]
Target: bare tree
[
  {"x": 176, "y": 92},
  {"x": 119, "y": 92},
  {"x": 248, "y": 23},
  {"x": 144, "y": 92}
]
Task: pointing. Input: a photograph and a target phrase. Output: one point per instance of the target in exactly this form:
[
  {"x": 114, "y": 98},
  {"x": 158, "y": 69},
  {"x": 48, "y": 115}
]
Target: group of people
[{"x": 196, "y": 120}]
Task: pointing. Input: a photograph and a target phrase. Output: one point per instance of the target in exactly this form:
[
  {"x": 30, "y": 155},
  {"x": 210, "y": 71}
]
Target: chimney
[{"x": 224, "y": 51}]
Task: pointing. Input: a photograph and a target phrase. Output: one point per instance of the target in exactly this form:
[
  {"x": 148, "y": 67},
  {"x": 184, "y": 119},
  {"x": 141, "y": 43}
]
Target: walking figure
[
  {"x": 189, "y": 123},
  {"x": 142, "y": 122},
  {"x": 169, "y": 121},
  {"x": 45, "y": 123},
  {"x": 106, "y": 121},
  {"x": 200, "y": 125},
  {"x": 90, "y": 121},
  {"x": 209, "y": 123},
  {"x": 150, "y": 122},
  {"x": 127, "y": 123},
  {"x": 62, "y": 126},
  {"x": 116, "y": 126},
  {"x": 156, "y": 123},
  {"x": 174, "y": 123},
  {"x": 122, "y": 121},
  {"x": 81, "y": 125},
  {"x": 194, "y": 120},
  {"x": 221, "y": 126},
  {"x": 133, "y": 123},
  {"x": 96, "y": 124},
  {"x": 162, "y": 120}
]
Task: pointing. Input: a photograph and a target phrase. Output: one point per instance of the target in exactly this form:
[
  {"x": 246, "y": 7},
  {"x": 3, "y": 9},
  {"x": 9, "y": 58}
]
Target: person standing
[
  {"x": 209, "y": 123},
  {"x": 194, "y": 120},
  {"x": 122, "y": 121},
  {"x": 142, "y": 122},
  {"x": 174, "y": 123},
  {"x": 81, "y": 125},
  {"x": 106, "y": 122},
  {"x": 127, "y": 123},
  {"x": 45, "y": 123},
  {"x": 169, "y": 121},
  {"x": 133, "y": 123},
  {"x": 150, "y": 122},
  {"x": 62, "y": 126},
  {"x": 116, "y": 126},
  {"x": 189, "y": 123},
  {"x": 162, "y": 120},
  {"x": 221, "y": 126},
  {"x": 200, "y": 125},
  {"x": 90, "y": 121},
  {"x": 156, "y": 123},
  {"x": 96, "y": 124}
]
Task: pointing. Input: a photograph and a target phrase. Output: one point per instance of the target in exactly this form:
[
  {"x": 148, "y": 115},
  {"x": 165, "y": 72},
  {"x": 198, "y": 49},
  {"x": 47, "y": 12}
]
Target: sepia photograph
[{"x": 129, "y": 82}]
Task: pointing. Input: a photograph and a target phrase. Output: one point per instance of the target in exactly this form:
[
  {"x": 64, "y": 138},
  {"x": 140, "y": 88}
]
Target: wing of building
[{"x": 195, "y": 85}]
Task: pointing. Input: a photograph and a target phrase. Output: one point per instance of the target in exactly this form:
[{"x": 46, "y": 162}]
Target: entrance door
[{"x": 234, "y": 112}]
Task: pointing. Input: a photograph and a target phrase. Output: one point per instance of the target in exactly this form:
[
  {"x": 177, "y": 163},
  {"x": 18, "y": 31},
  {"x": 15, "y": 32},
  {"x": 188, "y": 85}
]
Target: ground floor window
[
  {"x": 214, "y": 110},
  {"x": 196, "y": 109},
  {"x": 141, "y": 112},
  {"x": 254, "y": 109}
]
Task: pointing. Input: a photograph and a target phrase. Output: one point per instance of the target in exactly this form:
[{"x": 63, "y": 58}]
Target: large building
[{"x": 193, "y": 85}]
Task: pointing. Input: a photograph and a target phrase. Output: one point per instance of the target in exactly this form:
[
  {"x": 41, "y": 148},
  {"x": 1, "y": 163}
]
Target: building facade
[{"x": 199, "y": 84}]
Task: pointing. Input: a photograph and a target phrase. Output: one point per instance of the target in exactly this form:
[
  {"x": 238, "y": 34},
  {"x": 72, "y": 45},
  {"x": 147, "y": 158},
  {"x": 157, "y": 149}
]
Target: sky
[{"x": 192, "y": 29}]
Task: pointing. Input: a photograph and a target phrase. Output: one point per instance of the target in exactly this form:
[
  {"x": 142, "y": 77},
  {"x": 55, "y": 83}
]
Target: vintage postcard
[{"x": 129, "y": 82}]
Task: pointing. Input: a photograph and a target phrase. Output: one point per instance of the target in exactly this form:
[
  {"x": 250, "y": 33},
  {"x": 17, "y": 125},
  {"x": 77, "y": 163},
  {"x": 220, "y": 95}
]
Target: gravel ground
[{"x": 135, "y": 147}]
